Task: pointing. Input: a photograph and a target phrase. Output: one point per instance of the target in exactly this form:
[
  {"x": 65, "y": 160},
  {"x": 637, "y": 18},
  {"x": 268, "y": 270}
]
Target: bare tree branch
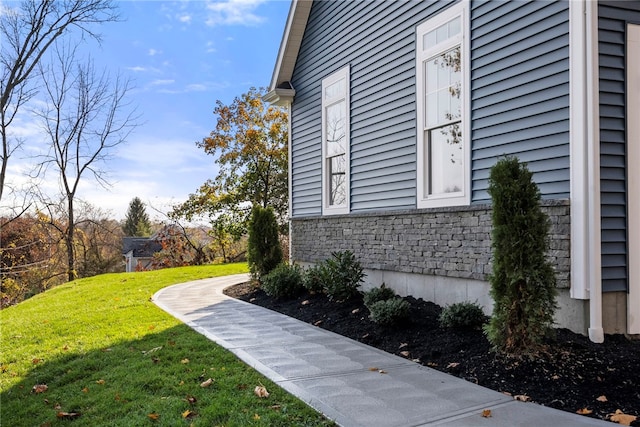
[
  {"x": 87, "y": 115},
  {"x": 27, "y": 32}
]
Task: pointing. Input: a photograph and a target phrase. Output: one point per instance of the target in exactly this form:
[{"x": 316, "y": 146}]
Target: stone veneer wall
[{"x": 452, "y": 242}]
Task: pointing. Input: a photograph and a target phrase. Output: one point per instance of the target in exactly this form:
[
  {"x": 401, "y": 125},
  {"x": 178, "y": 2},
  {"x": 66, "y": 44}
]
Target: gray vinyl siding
[
  {"x": 612, "y": 20},
  {"x": 519, "y": 97},
  {"x": 377, "y": 41},
  {"x": 520, "y": 92}
]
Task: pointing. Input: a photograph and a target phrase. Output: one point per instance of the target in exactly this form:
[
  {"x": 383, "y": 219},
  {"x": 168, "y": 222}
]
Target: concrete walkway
[{"x": 335, "y": 375}]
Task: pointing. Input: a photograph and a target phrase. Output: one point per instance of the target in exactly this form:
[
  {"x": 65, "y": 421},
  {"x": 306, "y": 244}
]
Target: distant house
[
  {"x": 398, "y": 110},
  {"x": 138, "y": 252}
]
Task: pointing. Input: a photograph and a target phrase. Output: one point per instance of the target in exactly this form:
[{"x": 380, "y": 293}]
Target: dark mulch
[{"x": 572, "y": 375}]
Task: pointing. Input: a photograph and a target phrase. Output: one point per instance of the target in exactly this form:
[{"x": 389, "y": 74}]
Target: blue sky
[{"x": 181, "y": 56}]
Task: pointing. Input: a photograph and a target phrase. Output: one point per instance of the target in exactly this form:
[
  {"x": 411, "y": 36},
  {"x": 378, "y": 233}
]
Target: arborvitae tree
[
  {"x": 523, "y": 283},
  {"x": 137, "y": 221},
  {"x": 263, "y": 247}
]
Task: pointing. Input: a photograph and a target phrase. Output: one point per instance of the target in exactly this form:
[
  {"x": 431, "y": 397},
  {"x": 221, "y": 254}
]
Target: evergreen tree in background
[{"x": 137, "y": 222}]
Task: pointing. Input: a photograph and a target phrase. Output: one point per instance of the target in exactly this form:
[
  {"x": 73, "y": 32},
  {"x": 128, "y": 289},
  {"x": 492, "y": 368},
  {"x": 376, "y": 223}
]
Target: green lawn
[{"x": 109, "y": 357}]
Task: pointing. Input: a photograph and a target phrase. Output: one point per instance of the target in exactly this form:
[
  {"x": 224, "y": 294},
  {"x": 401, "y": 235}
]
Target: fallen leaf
[
  {"x": 261, "y": 391},
  {"x": 85, "y": 390},
  {"x": 46, "y": 401},
  {"x": 382, "y": 371},
  {"x": 555, "y": 377},
  {"x": 191, "y": 399},
  {"x": 35, "y": 361},
  {"x": 622, "y": 418},
  {"x": 602, "y": 398},
  {"x": 39, "y": 388},
  {"x": 68, "y": 415},
  {"x": 155, "y": 359},
  {"x": 355, "y": 311},
  {"x": 365, "y": 336},
  {"x": 188, "y": 414},
  {"x": 584, "y": 411},
  {"x": 486, "y": 413},
  {"x": 275, "y": 407},
  {"x": 256, "y": 417},
  {"x": 305, "y": 302},
  {"x": 522, "y": 397},
  {"x": 373, "y": 369},
  {"x": 181, "y": 383},
  {"x": 452, "y": 365},
  {"x": 153, "y": 416},
  {"x": 152, "y": 327},
  {"x": 404, "y": 353},
  {"x": 65, "y": 348},
  {"x": 153, "y": 350},
  {"x": 184, "y": 361},
  {"x": 100, "y": 382},
  {"x": 206, "y": 383},
  {"x": 403, "y": 345},
  {"x": 319, "y": 322}
]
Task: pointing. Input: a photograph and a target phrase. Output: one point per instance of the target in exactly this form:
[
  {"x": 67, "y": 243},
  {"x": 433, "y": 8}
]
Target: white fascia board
[{"x": 291, "y": 40}]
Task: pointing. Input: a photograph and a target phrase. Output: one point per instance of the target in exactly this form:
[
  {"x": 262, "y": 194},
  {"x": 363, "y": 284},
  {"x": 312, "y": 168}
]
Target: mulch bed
[{"x": 574, "y": 374}]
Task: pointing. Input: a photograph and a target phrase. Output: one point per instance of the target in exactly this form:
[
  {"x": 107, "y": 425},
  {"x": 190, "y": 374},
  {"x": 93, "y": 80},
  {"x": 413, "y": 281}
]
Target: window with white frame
[
  {"x": 335, "y": 142},
  {"x": 441, "y": 83}
]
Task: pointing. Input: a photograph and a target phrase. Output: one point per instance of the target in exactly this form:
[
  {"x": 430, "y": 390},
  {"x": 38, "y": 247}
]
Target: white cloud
[
  {"x": 137, "y": 69},
  {"x": 154, "y": 52},
  {"x": 160, "y": 82},
  {"x": 186, "y": 19},
  {"x": 234, "y": 12}
]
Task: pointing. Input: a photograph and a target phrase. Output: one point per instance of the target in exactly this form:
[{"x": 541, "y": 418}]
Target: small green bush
[
  {"x": 264, "y": 252},
  {"x": 344, "y": 274},
  {"x": 390, "y": 311},
  {"x": 314, "y": 278},
  {"x": 463, "y": 315},
  {"x": 378, "y": 294},
  {"x": 284, "y": 281}
]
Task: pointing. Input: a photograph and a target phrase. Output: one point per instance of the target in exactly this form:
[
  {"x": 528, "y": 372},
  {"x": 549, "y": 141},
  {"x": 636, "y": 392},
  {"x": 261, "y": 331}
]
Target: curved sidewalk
[{"x": 336, "y": 375}]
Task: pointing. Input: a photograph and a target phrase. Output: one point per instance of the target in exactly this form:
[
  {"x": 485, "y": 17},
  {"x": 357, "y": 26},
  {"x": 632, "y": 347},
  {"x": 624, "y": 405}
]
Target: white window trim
[
  {"x": 328, "y": 209},
  {"x": 463, "y": 197}
]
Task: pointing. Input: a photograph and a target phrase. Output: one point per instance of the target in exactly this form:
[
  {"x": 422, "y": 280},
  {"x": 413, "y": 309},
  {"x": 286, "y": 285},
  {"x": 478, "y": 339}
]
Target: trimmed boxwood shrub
[
  {"x": 378, "y": 294},
  {"x": 462, "y": 315},
  {"x": 284, "y": 281},
  {"x": 390, "y": 311}
]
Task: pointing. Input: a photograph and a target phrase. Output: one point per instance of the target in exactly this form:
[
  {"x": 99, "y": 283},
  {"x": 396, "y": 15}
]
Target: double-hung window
[
  {"x": 441, "y": 83},
  {"x": 335, "y": 142}
]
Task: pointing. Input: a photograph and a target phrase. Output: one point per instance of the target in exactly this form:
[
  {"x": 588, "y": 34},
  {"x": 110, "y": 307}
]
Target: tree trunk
[{"x": 71, "y": 270}]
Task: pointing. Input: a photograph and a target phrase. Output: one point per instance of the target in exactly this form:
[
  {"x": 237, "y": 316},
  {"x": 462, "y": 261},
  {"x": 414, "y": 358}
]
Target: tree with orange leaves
[{"x": 250, "y": 146}]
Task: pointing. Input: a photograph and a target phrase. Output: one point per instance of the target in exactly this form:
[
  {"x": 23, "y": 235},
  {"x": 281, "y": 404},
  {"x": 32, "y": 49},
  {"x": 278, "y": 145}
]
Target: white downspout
[
  {"x": 596, "y": 332},
  {"x": 585, "y": 162}
]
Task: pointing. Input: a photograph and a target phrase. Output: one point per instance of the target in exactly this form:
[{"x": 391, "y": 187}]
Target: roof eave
[{"x": 290, "y": 44}]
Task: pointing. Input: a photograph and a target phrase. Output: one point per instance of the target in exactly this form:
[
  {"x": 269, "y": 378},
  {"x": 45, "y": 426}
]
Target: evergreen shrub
[
  {"x": 377, "y": 294},
  {"x": 389, "y": 312},
  {"x": 284, "y": 281},
  {"x": 523, "y": 283},
  {"x": 344, "y": 275},
  {"x": 462, "y": 315},
  {"x": 314, "y": 278},
  {"x": 264, "y": 252}
]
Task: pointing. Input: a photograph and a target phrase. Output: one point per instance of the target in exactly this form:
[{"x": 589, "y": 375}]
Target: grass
[{"x": 108, "y": 354}]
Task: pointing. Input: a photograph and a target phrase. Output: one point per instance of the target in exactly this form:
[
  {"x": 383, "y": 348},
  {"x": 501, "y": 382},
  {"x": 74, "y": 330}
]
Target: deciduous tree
[
  {"x": 27, "y": 31},
  {"x": 250, "y": 145},
  {"x": 85, "y": 117}
]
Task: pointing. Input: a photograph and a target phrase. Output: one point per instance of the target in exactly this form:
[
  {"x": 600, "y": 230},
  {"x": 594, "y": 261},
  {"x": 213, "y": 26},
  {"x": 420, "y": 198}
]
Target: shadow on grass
[{"x": 155, "y": 380}]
